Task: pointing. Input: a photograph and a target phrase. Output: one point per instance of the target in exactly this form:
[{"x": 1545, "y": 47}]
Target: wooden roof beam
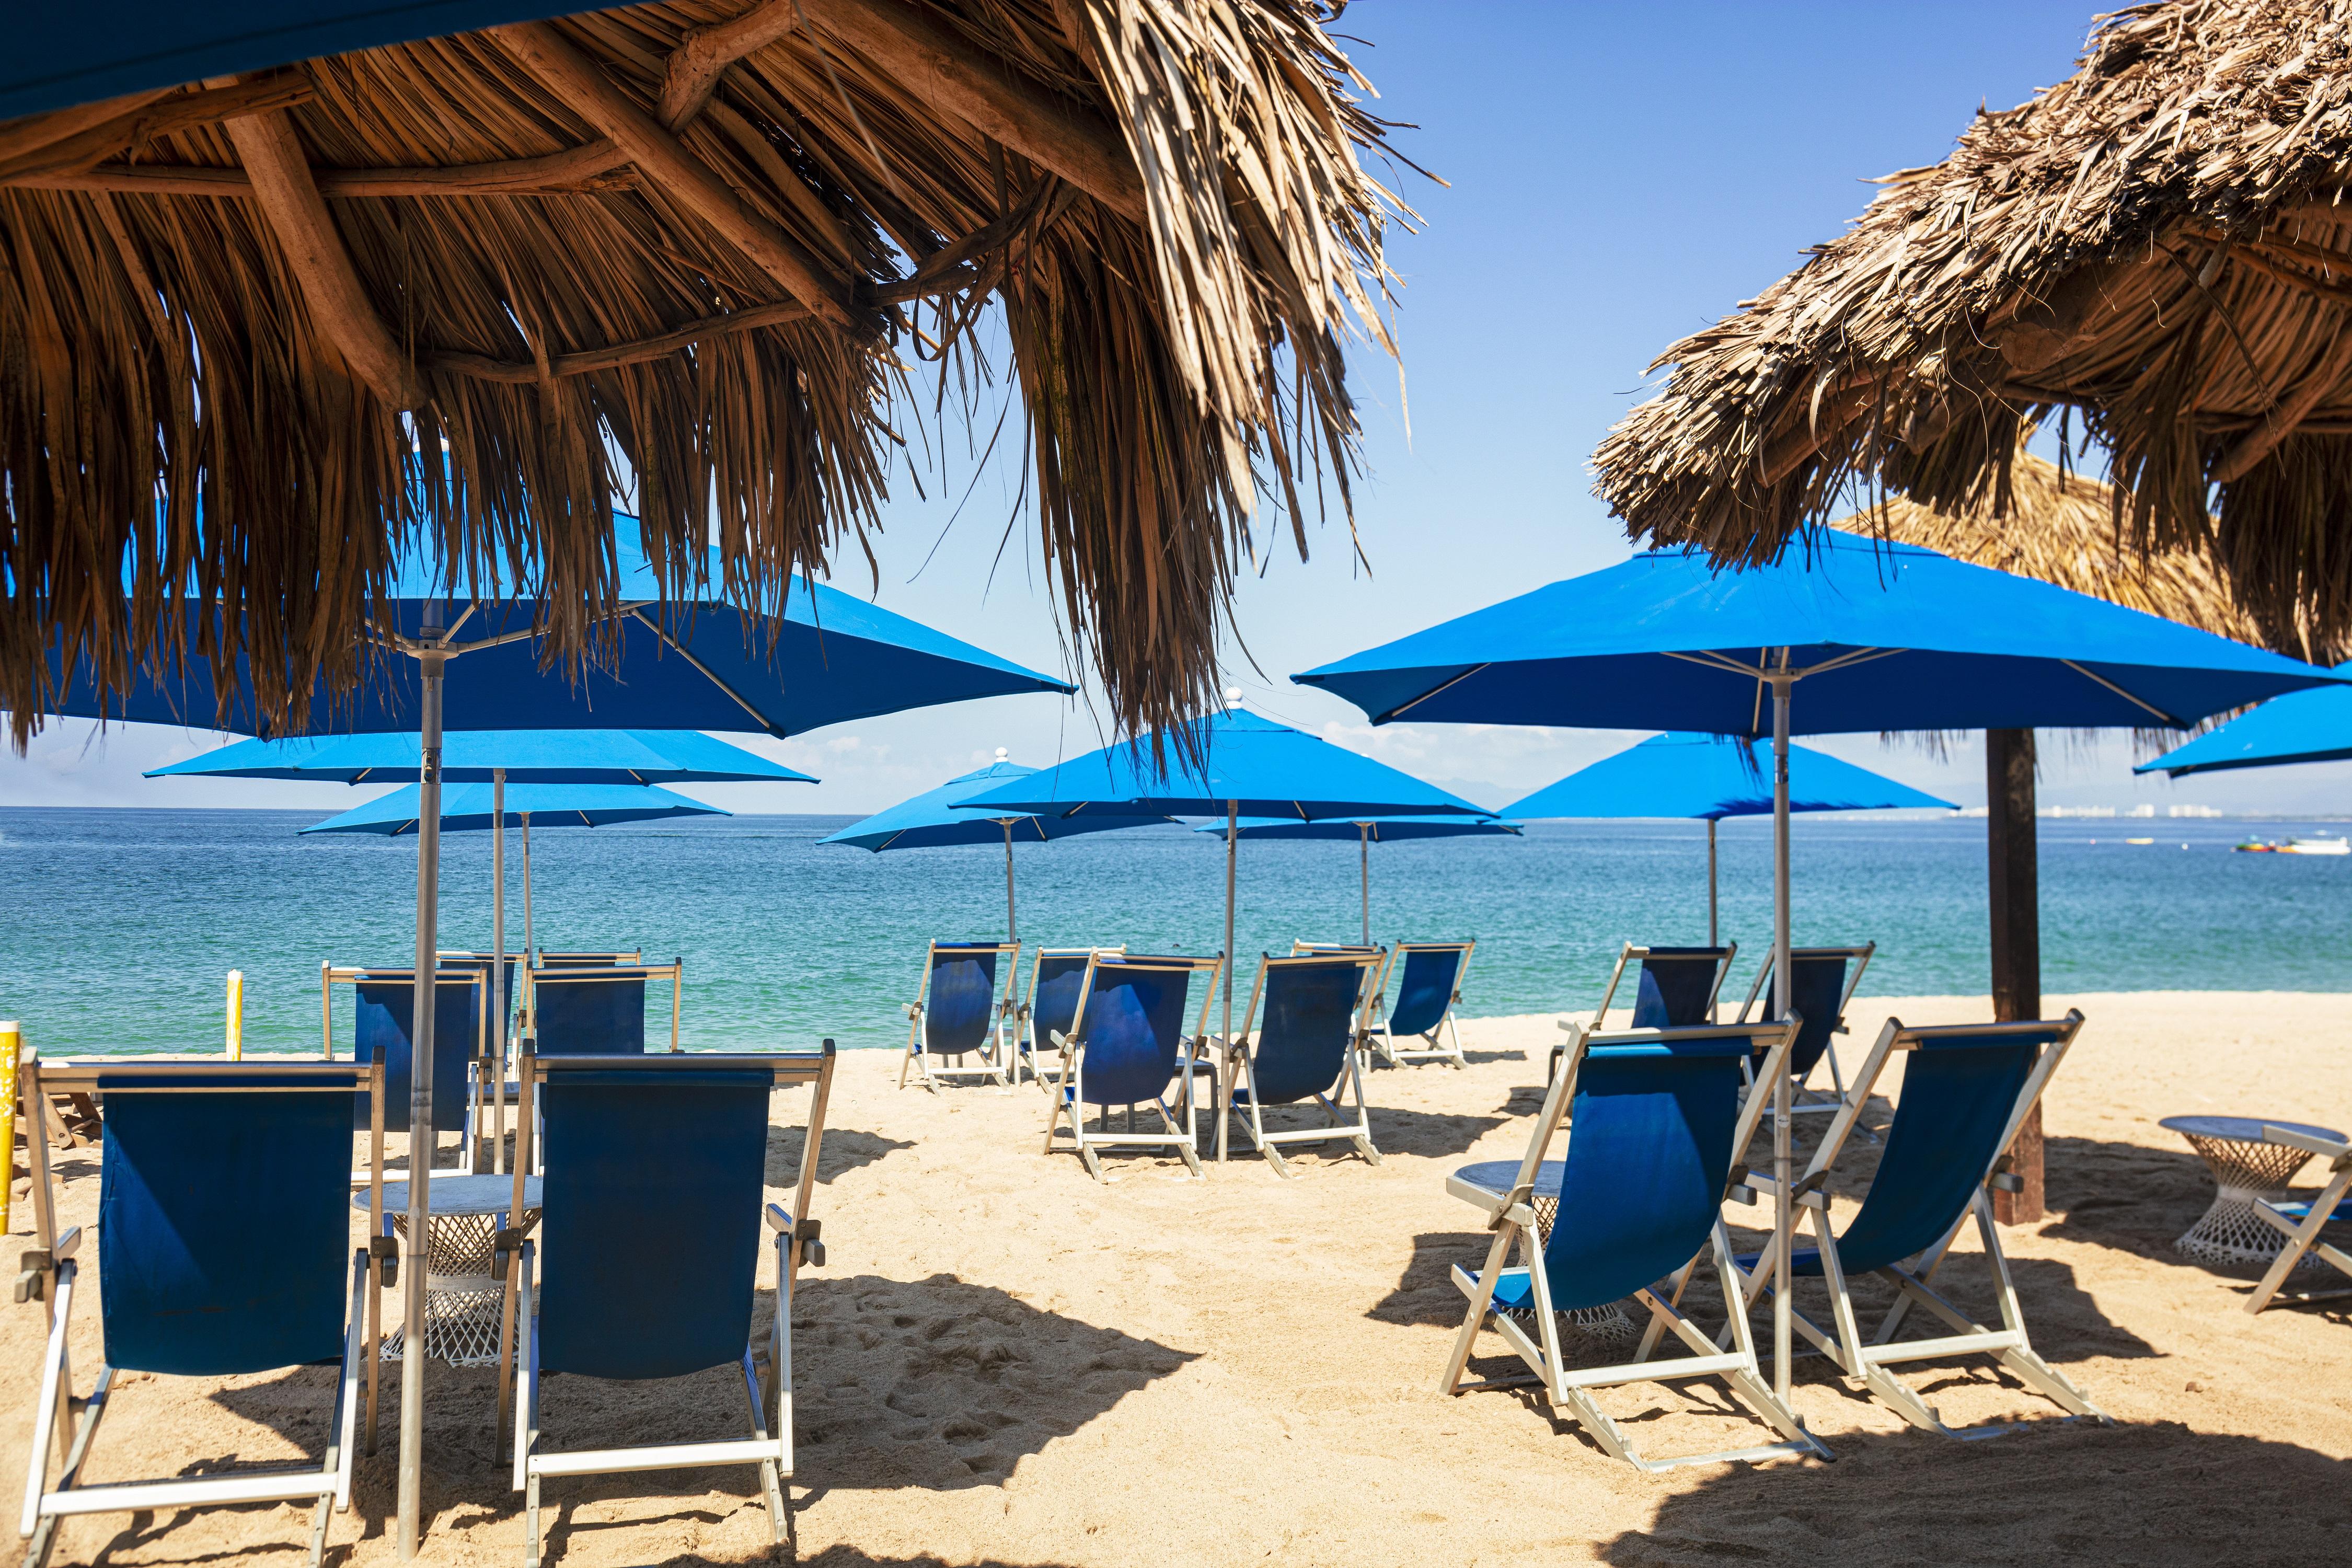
[
  {"x": 2282, "y": 421},
  {"x": 703, "y": 55},
  {"x": 159, "y": 117},
  {"x": 581, "y": 170},
  {"x": 315, "y": 253},
  {"x": 582, "y": 86},
  {"x": 947, "y": 72},
  {"x": 35, "y": 131}
]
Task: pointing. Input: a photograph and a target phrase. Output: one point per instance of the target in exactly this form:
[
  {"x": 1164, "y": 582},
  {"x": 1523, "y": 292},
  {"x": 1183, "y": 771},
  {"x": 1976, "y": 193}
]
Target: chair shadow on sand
[
  {"x": 2138, "y": 1493},
  {"x": 931, "y": 1382},
  {"x": 844, "y": 1149}
]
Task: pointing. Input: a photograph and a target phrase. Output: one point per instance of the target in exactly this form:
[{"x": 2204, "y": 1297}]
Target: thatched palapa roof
[
  {"x": 707, "y": 239},
  {"x": 2060, "y": 527},
  {"x": 2157, "y": 252}
]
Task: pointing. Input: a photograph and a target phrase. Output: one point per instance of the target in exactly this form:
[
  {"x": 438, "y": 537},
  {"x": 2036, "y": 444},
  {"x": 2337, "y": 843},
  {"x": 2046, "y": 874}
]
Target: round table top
[
  {"x": 455, "y": 1195},
  {"x": 1497, "y": 1176},
  {"x": 2241, "y": 1128}
]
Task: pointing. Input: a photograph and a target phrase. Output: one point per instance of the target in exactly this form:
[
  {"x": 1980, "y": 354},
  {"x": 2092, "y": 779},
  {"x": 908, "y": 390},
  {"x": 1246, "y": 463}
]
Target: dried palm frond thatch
[
  {"x": 2157, "y": 252},
  {"x": 441, "y": 292},
  {"x": 2060, "y": 527}
]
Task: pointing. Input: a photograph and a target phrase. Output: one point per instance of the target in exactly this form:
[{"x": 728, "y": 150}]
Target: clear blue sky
[{"x": 1619, "y": 175}]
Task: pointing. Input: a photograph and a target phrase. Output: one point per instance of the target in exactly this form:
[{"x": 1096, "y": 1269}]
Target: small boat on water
[{"x": 2296, "y": 846}]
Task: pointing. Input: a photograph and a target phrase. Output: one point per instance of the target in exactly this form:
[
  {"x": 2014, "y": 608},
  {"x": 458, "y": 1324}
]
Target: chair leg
[
  {"x": 531, "y": 1522},
  {"x": 1191, "y": 1158},
  {"x": 1481, "y": 1298}
]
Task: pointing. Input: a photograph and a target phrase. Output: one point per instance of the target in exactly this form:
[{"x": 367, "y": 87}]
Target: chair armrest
[
  {"x": 1060, "y": 1039},
  {"x": 912, "y": 1009},
  {"x": 504, "y": 1244},
  {"x": 385, "y": 1249},
  {"x": 2325, "y": 1148},
  {"x": 778, "y": 1220},
  {"x": 807, "y": 1237},
  {"x": 1808, "y": 1188},
  {"x": 38, "y": 1266},
  {"x": 2003, "y": 1177}
]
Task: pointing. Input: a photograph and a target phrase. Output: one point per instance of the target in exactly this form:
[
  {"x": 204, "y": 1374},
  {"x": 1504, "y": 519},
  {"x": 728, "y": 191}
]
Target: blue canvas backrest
[
  {"x": 960, "y": 1003},
  {"x": 1426, "y": 988},
  {"x": 677, "y": 1157},
  {"x": 587, "y": 960},
  {"x": 1133, "y": 1031},
  {"x": 1816, "y": 986},
  {"x": 484, "y": 963},
  {"x": 1674, "y": 986},
  {"x": 1054, "y": 997},
  {"x": 590, "y": 1013},
  {"x": 224, "y": 1227},
  {"x": 1649, "y": 1151},
  {"x": 1307, "y": 1018},
  {"x": 384, "y": 1029},
  {"x": 1958, "y": 1093}
]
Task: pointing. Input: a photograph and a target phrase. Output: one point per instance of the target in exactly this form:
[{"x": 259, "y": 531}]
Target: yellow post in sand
[
  {"x": 11, "y": 1037},
  {"x": 236, "y": 1014}
]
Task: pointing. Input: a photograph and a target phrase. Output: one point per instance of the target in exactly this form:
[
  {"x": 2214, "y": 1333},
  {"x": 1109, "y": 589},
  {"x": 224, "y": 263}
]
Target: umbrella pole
[
  {"x": 1364, "y": 855},
  {"x": 420, "y": 1110},
  {"x": 498, "y": 970},
  {"x": 1712, "y": 940},
  {"x": 1233, "y": 837},
  {"x": 1012, "y": 927},
  {"x": 1784, "y": 1220},
  {"x": 529, "y": 947}
]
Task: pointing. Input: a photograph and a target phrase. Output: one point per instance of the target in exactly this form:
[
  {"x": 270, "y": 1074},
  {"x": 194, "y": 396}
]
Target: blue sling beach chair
[
  {"x": 650, "y": 1210},
  {"x": 957, "y": 1013},
  {"x": 1820, "y": 984},
  {"x": 598, "y": 1009},
  {"x": 1673, "y": 988},
  {"x": 1300, "y": 1040},
  {"x": 224, "y": 1248},
  {"x": 1967, "y": 1089},
  {"x": 1428, "y": 985},
  {"x": 1654, "y": 1133},
  {"x": 1056, "y": 977},
  {"x": 1128, "y": 1048},
  {"x": 384, "y": 1025}
]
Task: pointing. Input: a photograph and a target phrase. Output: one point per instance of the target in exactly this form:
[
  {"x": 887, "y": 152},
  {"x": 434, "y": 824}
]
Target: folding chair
[
  {"x": 224, "y": 1247},
  {"x": 2302, "y": 1220},
  {"x": 1966, "y": 1091},
  {"x": 384, "y": 1025},
  {"x": 1309, "y": 1047},
  {"x": 1129, "y": 1047},
  {"x": 597, "y": 1009},
  {"x": 1674, "y": 988},
  {"x": 1655, "y": 1125},
  {"x": 957, "y": 1013},
  {"x": 1820, "y": 987},
  {"x": 1428, "y": 983},
  {"x": 650, "y": 1210},
  {"x": 1056, "y": 979}
]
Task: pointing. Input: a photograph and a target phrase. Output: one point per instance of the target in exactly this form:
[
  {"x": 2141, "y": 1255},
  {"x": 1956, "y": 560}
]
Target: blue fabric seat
[
  {"x": 224, "y": 1249},
  {"x": 650, "y": 1214},
  {"x": 1428, "y": 983},
  {"x": 1652, "y": 1121},
  {"x": 384, "y": 1029},
  {"x": 1297, "y": 1043},
  {"x": 1821, "y": 982},
  {"x": 588, "y": 1015},
  {"x": 1965, "y": 1090},
  {"x": 1128, "y": 1047},
  {"x": 957, "y": 1013}
]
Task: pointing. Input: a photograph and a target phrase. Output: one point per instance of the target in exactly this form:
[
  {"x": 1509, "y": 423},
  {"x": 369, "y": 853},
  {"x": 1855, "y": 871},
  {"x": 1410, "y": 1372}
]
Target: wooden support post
[{"x": 2012, "y": 883}]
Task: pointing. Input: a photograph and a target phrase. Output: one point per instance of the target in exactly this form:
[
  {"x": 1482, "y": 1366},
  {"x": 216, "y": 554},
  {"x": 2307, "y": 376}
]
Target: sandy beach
[{"x": 1005, "y": 1362}]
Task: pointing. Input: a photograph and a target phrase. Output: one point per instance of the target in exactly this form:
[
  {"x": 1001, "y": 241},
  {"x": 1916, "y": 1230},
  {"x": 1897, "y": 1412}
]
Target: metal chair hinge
[
  {"x": 1738, "y": 1191},
  {"x": 386, "y": 1253},
  {"x": 810, "y": 1236},
  {"x": 504, "y": 1244},
  {"x": 2004, "y": 1177},
  {"x": 32, "y": 1284}
]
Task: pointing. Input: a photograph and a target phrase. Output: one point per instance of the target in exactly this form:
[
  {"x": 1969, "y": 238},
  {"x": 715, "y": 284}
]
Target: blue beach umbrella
[
  {"x": 1229, "y": 764},
  {"x": 1366, "y": 831},
  {"x": 1712, "y": 777},
  {"x": 1843, "y": 634},
  {"x": 929, "y": 821},
  {"x": 2300, "y": 727}
]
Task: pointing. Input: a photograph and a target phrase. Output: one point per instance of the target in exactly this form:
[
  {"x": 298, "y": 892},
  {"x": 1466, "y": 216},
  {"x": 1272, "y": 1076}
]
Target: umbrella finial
[
  {"x": 1002, "y": 753},
  {"x": 1233, "y": 696}
]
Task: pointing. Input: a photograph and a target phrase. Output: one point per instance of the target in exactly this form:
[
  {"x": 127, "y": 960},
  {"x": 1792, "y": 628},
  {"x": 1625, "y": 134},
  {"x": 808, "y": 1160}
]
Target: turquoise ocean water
[{"x": 117, "y": 927}]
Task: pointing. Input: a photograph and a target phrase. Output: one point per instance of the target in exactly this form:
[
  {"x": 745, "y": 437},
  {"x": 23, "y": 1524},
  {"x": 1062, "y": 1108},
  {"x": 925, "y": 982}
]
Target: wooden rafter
[
  {"x": 585, "y": 170},
  {"x": 948, "y": 73},
  {"x": 315, "y": 253},
  {"x": 160, "y": 117},
  {"x": 35, "y": 131},
  {"x": 703, "y": 55},
  {"x": 585, "y": 88}
]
